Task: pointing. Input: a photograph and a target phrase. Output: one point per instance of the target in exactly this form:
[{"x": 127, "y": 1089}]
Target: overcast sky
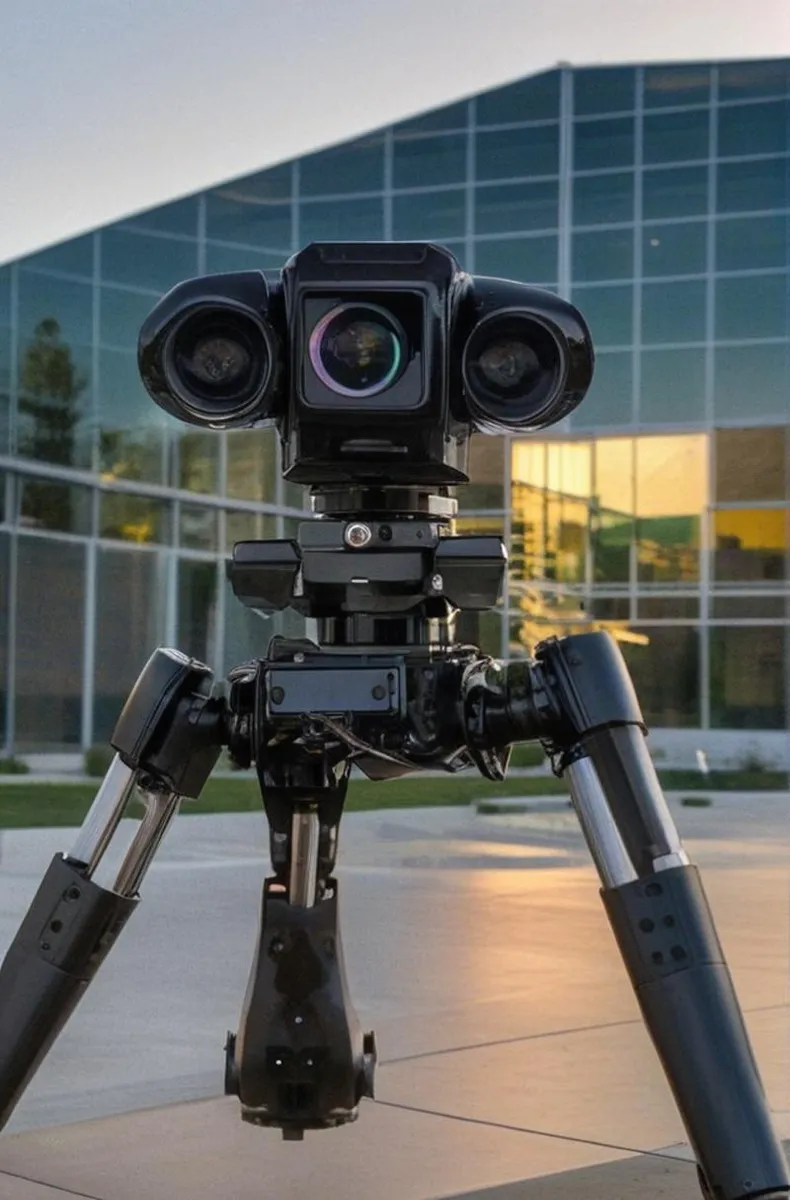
[{"x": 111, "y": 106}]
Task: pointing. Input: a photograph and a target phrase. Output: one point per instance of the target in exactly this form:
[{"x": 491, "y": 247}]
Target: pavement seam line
[{"x": 55, "y": 1187}]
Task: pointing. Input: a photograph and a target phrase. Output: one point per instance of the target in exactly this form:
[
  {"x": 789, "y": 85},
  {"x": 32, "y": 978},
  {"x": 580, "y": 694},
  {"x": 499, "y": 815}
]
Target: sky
[{"x": 108, "y": 107}]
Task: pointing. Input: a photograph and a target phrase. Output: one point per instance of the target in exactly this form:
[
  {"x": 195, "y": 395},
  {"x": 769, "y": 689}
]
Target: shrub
[
  {"x": 13, "y": 766},
  {"x": 97, "y": 761},
  {"x": 530, "y": 754}
]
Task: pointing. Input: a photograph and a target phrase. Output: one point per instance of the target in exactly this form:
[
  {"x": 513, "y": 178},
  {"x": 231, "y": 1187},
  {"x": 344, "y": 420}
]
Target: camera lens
[
  {"x": 221, "y": 360},
  {"x": 513, "y": 370},
  {"x": 509, "y": 365},
  {"x": 357, "y": 350}
]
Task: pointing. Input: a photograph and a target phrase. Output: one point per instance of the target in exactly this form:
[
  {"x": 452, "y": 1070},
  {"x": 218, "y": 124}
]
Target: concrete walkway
[{"x": 512, "y": 1048}]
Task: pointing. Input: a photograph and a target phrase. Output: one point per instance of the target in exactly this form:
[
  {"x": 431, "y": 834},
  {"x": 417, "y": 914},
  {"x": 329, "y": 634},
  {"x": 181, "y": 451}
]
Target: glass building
[{"x": 657, "y": 198}]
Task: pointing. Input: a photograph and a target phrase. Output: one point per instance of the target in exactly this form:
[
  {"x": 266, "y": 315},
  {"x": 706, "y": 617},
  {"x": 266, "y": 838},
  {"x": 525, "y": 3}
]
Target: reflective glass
[
  {"x": 609, "y": 608},
  {"x": 666, "y": 674},
  {"x": 672, "y": 387},
  {"x": 763, "y": 183},
  {"x": 754, "y": 129},
  {"x": 439, "y": 120},
  {"x": 752, "y": 306},
  {"x": 680, "y": 249},
  {"x": 275, "y": 183},
  {"x": 5, "y": 296},
  {"x": 253, "y": 464},
  {"x": 74, "y": 257},
  {"x": 42, "y": 297},
  {"x": 671, "y": 492},
  {"x": 54, "y": 406},
  {"x": 603, "y": 199},
  {"x": 528, "y": 463},
  {"x": 121, "y": 314},
  {"x": 673, "y": 312},
  {"x": 675, "y": 192},
  {"x": 233, "y": 217},
  {"x": 486, "y": 474},
  {"x": 750, "y": 544},
  {"x": 612, "y": 534},
  {"x": 342, "y": 220},
  {"x": 610, "y": 398},
  {"x": 423, "y": 216},
  {"x": 609, "y": 313},
  {"x": 131, "y": 598},
  {"x": 606, "y": 143},
  {"x": 613, "y": 471},
  {"x": 530, "y": 259},
  {"x": 669, "y": 86},
  {"x": 746, "y": 80},
  {"x": 512, "y": 207},
  {"x": 533, "y": 99},
  {"x": 131, "y": 433},
  {"x": 604, "y": 90},
  {"x": 667, "y": 608},
  {"x": 50, "y": 639},
  {"x": 747, "y": 678},
  {"x": 569, "y": 468},
  {"x": 5, "y": 587},
  {"x": 247, "y": 634},
  {"x": 747, "y": 244},
  {"x": 747, "y": 608},
  {"x": 149, "y": 262},
  {"x": 45, "y": 504},
  {"x": 248, "y": 527},
  {"x": 198, "y": 460},
  {"x": 751, "y": 380},
  {"x": 180, "y": 217},
  {"x": 752, "y": 464},
  {"x": 353, "y": 167},
  {"x": 675, "y": 137},
  {"x": 429, "y": 161},
  {"x": 510, "y": 153},
  {"x": 127, "y": 518},
  {"x": 232, "y": 258},
  {"x": 197, "y": 609},
  {"x": 608, "y": 254},
  {"x": 198, "y": 527}
]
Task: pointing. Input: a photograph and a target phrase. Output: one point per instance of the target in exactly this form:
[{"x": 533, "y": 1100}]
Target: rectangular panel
[
  {"x": 752, "y": 464},
  {"x": 748, "y": 80},
  {"x": 342, "y": 220},
  {"x": 754, "y": 129},
  {"x": 180, "y": 217},
  {"x": 604, "y": 90},
  {"x": 610, "y": 398},
  {"x": 667, "y": 86},
  {"x": 147, "y": 262},
  {"x": 750, "y": 544},
  {"x": 516, "y": 207},
  {"x": 426, "y": 216},
  {"x": 354, "y": 167},
  {"x": 197, "y": 609},
  {"x": 674, "y": 192},
  {"x": 675, "y": 137},
  {"x": 447, "y": 119},
  {"x": 47, "y": 504},
  {"x": 248, "y": 527},
  {"x": 131, "y": 426},
  {"x": 232, "y": 216},
  {"x": 753, "y": 380},
  {"x": 428, "y": 161},
  {"x": 673, "y": 312},
  {"x": 667, "y": 608},
  {"x": 752, "y": 186},
  {"x": 121, "y": 314},
  {"x": 533, "y": 99},
  {"x": 609, "y": 313},
  {"x": 253, "y": 464},
  {"x": 220, "y": 259},
  {"x": 514, "y": 153},
  {"x": 605, "y": 143},
  {"x": 50, "y": 638},
  {"x": 603, "y": 199},
  {"x": 672, "y": 387},
  {"x": 666, "y": 674},
  {"x": 198, "y": 527},
  {"x": 67, "y": 304},
  {"x": 749, "y": 243},
  {"x": 748, "y": 608},
  {"x": 678, "y": 249},
  {"x": 752, "y": 306},
  {"x": 608, "y": 254},
  {"x": 197, "y": 458},
  {"x": 531, "y": 259},
  {"x": 73, "y": 257},
  {"x": 747, "y": 677},
  {"x": 55, "y": 402},
  {"x": 128, "y": 518}
]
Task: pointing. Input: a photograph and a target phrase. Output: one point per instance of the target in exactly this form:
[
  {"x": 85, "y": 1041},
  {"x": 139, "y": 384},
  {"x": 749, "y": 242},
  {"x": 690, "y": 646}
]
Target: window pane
[
  {"x": 510, "y": 153},
  {"x": 750, "y": 544},
  {"x": 533, "y": 99},
  {"x": 605, "y": 255},
  {"x": 675, "y": 192},
  {"x": 751, "y": 380},
  {"x": 158, "y": 263},
  {"x": 531, "y": 259},
  {"x": 5, "y": 297},
  {"x": 198, "y": 460},
  {"x": 232, "y": 258},
  {"x": 232, "y": 216},
  {"x": 121, "y": 315},
  {"x": 248, "y": 527},
  {"x": 131, "y": 434},
  {"x": 423, "y": 216},
  {"x": 528, "y": 464},
  {"x": 181, "y": 217},
  {"x": 673, "y": 312},
  {"x": 49, "y": 643},
  {"x": 353, "y": 167},
  {"x": 44, "y": 504},
  {"x": 603, "y": 199},
  {"x": 611, "y": 536},
  {"x": 667, "y": 608},
  {"x": 610, "y": 398},
  {"x": 675, "y": 249},
  {"x": 668, "y": 86},
  {"x": 198, "y": 527},
  {"x": 507, "y": 207},
  {"x": 748, "y": 608},
  {"x": 69, "y": 304},
  {"x": 670, "y": 495},
  {"x": 672, "y": 387},
  {"x": 747, "y": 678},
  {"x": 424, "y": 162},
  {"x": 745, "y": 80},
  {"x": 128, "y": 518},
  {"x": 675, "y": 137},
  {"x": 608, "y": 143},
  {"x": 753, "y": 129},
  {"x": 610, "y": 608},
  {"x": 253, "y": 464},
  {"x": 451, "y": 116},
  {"x": 55, "y": 403},
  {"x": 486, "y": 474},
  {"x": 752, "y": 464},
  {"x": 342, "y": 220},
  {"x": 197, "y": 609},
  {"x": 753, "y": 186},
  {"x": 666, "y": 675},
  {"x": 131, "y": 594},
  {"x": 74, "y": 257},
  {"x": 609, "y": 313},
  {"x": 5, "y": 587},
  {"x": 745, "y": 244},
  {"x": 604, "y": 90},
  {"x": 752, "y": 306}
]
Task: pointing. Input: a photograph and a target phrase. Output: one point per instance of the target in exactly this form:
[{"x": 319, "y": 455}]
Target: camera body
[{"x": 375, "y": 360}]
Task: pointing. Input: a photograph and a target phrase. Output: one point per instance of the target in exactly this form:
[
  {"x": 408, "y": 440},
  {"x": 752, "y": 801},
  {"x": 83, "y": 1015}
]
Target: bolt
[
  {"x": 378, "y": 692},
  {"x": 298, "y": 657},
  {"x": 277, "y": 695},
  {"x": 437, "y": 583},
  {"x": 45, "y": 946},
  {"x": 72, "y": 893},
  {"x": 385, "y": 533},
  {"x": 298, "y": 1020},
  {"x": 358, "y": 535},
  {"x": 277, "y": 946}
]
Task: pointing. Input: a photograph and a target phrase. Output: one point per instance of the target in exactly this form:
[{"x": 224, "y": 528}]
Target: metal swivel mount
[{"x": 386, "y": 688}]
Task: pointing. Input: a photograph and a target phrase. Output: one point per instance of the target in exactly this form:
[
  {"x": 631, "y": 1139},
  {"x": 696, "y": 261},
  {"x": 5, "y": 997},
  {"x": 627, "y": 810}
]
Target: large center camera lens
[
  {"x": 220, "y": 361},
  {"x": 358, "y": 350}
]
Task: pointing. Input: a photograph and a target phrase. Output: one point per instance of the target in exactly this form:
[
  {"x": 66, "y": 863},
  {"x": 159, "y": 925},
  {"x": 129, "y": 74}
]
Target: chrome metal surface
[
  {"x": 598, "y": 825},
  {"x": 304, "y": 858},
  {"x": 665, "y": 862},
  {"x": 161, "y": 808},
  {"x": 104, "y": 815}
]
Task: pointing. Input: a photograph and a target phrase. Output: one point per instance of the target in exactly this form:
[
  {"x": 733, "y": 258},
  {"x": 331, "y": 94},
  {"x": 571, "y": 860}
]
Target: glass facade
[{"x": 656, "y": 198}]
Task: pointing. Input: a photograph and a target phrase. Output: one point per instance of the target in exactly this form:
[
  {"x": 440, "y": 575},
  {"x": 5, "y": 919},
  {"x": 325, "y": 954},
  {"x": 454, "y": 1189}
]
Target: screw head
[
  {"x": 378, "y": 692},
  {"x": 437, "y": 583},
  {"x": 358, "y": 535},
  {"x": 277, "y": 695}
]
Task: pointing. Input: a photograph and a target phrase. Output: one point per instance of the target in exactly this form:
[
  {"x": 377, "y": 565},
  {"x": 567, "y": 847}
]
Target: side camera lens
[
  {"x": 513, "y": 371},
  {"x": 221, "y": 362},
  {"x": 357, "y": 350}
]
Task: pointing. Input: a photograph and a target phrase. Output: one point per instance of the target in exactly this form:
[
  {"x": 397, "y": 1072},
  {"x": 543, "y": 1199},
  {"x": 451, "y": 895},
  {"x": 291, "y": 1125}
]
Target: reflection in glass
[
  {"x": 180, "y": 217},
  {"x": 423, "y": 216},
  {"x": 253, "y": 464},
  {"x": 198, "y": 527},
  {"x": 128, "y": 518},
  {"x": 131, "y": 593},
  {"x": 672, "y": 386},
  {"x": 531, "y": 259},
  {"x": 439, "y": 120},
  {"x": 533, "y": 99},
  {"x": 529, "y": 463},
  {"x": 611, "y": 510},
  {"x": 608, "y": 254},
  {"x": 232, "y": 215},
  {"x": 752, "y": 464},
  {"x": 671, "y": 489},
  {"x": 248, "y": 527},
  {"x": 197, "y": 609},
  {"x": 748, "y": 608},
  {"x": 147, "y": 262},
  {"x": 70, "y": 305},
  {"x": 54, "y": 401},
  {"x": 610, "y": 398},
  {"x": 666, "y": 674},
  {"x": 603, "y": 90},
  {"x": 747, "y": 80},
  {"x": 513, "y": 207},
  {"x": 197, "y": 456},
  {"x": 74, "y": 257},
  {"x": 5, "y": 588},
  {"x": 46, "y": 504},
  {"x": 752, "y": 380},
  {"x": 569, "y": 468},
  {"x": 747, "y": 244},
  {"x": 354, "y": 167},
  {"x": 606, "y": 143},
  {"x": 754, "y": 129},
  {"x": 603, "y": 199},
  {"x": 675, "y": 137},
  {"x": 750, "y": 544},
  {"x": 753, "y": 186},
  {"x": 747, "y": 678},
  {"x": 675, "y": 249},
  {"x": 752, "y": 306},
  {"x": 247, "y": 258},
  {"x": 342, "y": 220},
  {"x": 667, "y": 86},
  {"x": 49, "y": 643},
  {"x": 5, "y": 298},
  {"x": 510, "y": 153},
  {"x": 675, "y": 192},
  {"x": 131, "y": 426},
  {"x": 429, "y": 161},
  {"x": 121, "y": 313},
  {"x": 673, "y": 312},
  {"x": 611, "y": 536},
  {"x": 667, "y": 608},
  {"x": 486, "y": 475},
  {"x": 610, "y": 608}
]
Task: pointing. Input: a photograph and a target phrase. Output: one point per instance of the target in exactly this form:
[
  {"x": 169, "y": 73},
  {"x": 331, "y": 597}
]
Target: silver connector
[
  {"x": 598, "y": 825},
  {"x": 103, "y": 816},
  {"x": 303, "y": 880},
  {"x": 665, "y": 862},
  {"x": 160, "y": 809}
]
